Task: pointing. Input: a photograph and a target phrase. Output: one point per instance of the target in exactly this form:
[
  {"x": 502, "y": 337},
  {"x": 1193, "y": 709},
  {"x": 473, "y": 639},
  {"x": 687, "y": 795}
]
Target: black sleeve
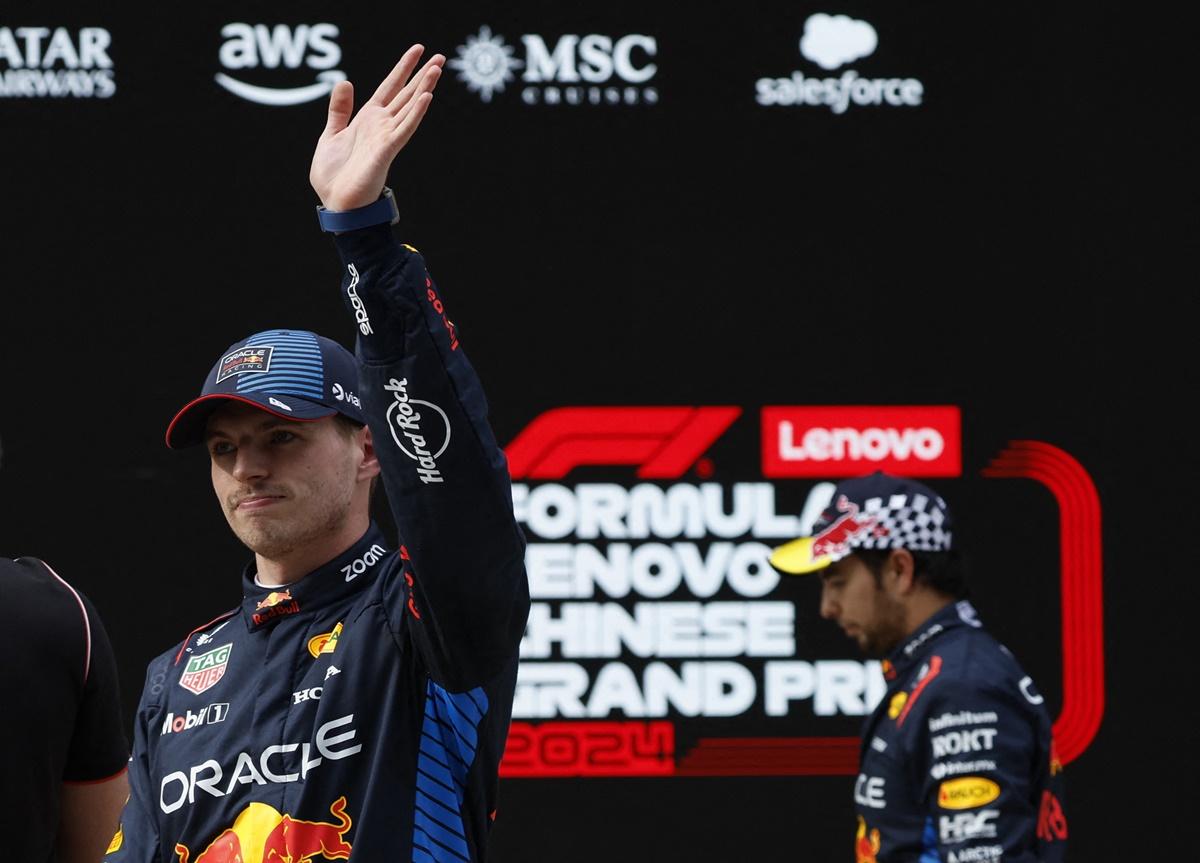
[
  {"x": 137, "y": 838},
  {"x": 462, "y": 592},
  {"x": 98, "y": 748}
]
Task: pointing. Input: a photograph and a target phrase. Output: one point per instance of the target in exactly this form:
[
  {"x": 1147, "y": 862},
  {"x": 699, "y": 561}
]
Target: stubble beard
[
  {"x": 321, "y": 513},
  {"x": 888, "y": 630}
]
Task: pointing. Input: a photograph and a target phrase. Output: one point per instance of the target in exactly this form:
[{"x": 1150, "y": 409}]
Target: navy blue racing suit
[
  {"x": 957, "y": 761},
  {"x": 364, "y": 708}
]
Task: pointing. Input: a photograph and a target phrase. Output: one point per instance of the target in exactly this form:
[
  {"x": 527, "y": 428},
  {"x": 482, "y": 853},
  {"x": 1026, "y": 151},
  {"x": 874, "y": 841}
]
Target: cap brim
[
  {"x": 796, "y": 557},
  {"x": 187, "y": 428}
]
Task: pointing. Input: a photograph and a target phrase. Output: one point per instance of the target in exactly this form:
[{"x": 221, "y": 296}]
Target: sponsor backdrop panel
[{"x": 705, "y": 261}]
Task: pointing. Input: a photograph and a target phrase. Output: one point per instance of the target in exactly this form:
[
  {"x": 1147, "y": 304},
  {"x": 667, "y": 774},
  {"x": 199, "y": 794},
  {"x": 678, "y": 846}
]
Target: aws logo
[
  {"x": 279, "y": 48},
  {"x": 967, "y": 793}
]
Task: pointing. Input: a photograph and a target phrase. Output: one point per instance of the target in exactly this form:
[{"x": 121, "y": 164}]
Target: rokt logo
[
  {"x": 37, "y": 62},
  {"x": 253, "y": 46},
  {"x": 588, "y": 69},
  {"x": 831, "y": 41}
]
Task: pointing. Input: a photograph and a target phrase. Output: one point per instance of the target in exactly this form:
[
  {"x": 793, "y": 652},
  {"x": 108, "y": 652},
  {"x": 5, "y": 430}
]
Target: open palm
[{"x": 350, "y": 165}]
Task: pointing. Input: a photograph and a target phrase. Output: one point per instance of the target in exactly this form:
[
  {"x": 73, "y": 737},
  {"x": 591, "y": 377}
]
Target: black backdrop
[{"x": 982, "y": 249}]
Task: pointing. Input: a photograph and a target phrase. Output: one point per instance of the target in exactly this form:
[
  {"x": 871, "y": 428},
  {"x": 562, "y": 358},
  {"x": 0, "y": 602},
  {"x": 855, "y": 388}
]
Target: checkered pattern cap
[
  {"x": 293, "y": 374},
  {"x": 876, "y": 511}
]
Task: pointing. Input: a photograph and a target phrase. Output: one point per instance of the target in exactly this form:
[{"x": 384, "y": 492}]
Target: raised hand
[{"x": 350, "y": 165}]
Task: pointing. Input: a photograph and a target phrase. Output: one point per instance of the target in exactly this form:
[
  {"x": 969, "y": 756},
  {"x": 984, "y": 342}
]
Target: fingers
[
  {"x": 423, "y": 82},
  {"x": 392, "y": 84},
  {"x": 422, "y": 86},
  {"x": 341, "y": 104},
  {"x": 412, "y": 119}
]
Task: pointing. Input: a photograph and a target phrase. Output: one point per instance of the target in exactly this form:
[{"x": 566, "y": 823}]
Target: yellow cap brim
[{"x": 796, "y": 557}]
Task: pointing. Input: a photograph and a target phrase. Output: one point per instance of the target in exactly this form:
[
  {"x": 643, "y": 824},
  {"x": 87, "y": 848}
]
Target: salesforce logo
[{"x": 830, "y": 42}]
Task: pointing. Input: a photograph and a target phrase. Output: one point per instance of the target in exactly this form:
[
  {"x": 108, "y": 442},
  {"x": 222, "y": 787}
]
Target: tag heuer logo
[{"x": 204, "y": 671}]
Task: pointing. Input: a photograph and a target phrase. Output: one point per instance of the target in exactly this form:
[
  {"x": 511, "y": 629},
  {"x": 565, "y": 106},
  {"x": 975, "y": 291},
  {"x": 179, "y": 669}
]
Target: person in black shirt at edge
[
  {"x": 64, "y": 777},
  {"x": 957, "y": 762}
]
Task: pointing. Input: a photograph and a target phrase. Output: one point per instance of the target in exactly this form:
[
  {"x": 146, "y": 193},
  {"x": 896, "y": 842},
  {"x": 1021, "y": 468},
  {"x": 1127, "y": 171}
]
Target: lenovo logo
[
  {"x": 844, "y": 441},
  {"x": 664, "y": 442}
]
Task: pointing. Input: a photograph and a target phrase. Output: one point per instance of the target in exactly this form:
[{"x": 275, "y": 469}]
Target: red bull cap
[
  {"x": 293, "y": 374},
  {"x": 875, "y": 511}
]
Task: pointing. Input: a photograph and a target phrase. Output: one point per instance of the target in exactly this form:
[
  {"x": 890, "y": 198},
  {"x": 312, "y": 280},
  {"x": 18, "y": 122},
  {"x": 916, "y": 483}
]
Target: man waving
[{"x": 358, "y": 700}]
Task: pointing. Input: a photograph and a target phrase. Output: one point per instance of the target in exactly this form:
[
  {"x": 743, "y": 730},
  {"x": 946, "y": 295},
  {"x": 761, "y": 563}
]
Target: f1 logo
[{"x": 663, "y": 442}]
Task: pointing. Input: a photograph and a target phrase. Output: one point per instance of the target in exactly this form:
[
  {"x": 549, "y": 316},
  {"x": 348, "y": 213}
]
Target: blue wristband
[{"x": 383, "y": 211}]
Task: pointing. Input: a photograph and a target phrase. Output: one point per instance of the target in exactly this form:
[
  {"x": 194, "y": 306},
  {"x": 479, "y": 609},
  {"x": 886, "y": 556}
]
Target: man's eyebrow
[{"x": 266, "y": 425}]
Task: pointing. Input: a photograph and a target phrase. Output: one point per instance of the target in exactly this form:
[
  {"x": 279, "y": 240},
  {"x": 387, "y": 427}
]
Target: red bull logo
[
  {"x": 249, "y": 359},
  {"x": 277, "y": 603},
  {"x": 835, "y": 539},
  {"x": 260, "y": 834},
  {"x": 866, "y": 843},
  {"x": 274, "y": 598},
  {"x": 1052, "y": 821}
]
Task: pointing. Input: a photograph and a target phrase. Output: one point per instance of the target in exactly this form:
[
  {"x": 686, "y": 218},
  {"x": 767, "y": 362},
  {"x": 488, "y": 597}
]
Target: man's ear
[
  {"x": 369, "y": 467},
  {"x": 900, "y": 571}
]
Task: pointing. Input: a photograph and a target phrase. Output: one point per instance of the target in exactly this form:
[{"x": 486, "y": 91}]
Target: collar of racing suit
[
  {"x": 347, "y": 573},
  {"x": 917, "y": 646}
]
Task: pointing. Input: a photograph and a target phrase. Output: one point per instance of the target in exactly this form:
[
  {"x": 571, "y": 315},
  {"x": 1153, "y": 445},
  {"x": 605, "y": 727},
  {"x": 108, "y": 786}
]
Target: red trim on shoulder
[
  {"x": 87, "y": 624},
  {"x": 202, "y": 626},
  {"x": 124, "y": 769},
  {"x": 935, "y": 665}
]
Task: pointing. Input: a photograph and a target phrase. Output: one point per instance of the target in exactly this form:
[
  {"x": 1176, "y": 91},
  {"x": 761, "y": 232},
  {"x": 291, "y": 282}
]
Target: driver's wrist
[{"x": 336, "y": 216}]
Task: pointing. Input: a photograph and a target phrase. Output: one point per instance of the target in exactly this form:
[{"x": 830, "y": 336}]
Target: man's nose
[
  {"x": 250, "y": 464},
  {"x": 829, "y": 609}
]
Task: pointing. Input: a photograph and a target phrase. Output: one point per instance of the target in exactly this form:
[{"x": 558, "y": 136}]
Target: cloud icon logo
[{"x": 834, "y": 40}]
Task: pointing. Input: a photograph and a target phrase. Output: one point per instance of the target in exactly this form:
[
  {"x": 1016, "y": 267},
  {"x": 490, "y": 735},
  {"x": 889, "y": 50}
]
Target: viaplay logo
[
  {"x": 830, "y": 42},
  {"x": 580, "y": 69},
  {"x": 282, "y": 50}
]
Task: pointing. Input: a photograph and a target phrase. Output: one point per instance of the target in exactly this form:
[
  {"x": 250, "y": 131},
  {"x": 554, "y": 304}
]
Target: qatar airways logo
[
  {"x": 840, "y": 441},
  {"x": 56, "y": 63}
]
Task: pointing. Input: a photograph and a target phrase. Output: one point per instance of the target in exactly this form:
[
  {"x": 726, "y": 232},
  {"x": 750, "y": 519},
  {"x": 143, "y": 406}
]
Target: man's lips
[{"x": 257, "y": 501}]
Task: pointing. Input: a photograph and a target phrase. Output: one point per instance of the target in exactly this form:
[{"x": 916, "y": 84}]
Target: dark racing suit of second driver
[
  {"x": 364, "y": 708},
  {"x": 957, "y": 762}
]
